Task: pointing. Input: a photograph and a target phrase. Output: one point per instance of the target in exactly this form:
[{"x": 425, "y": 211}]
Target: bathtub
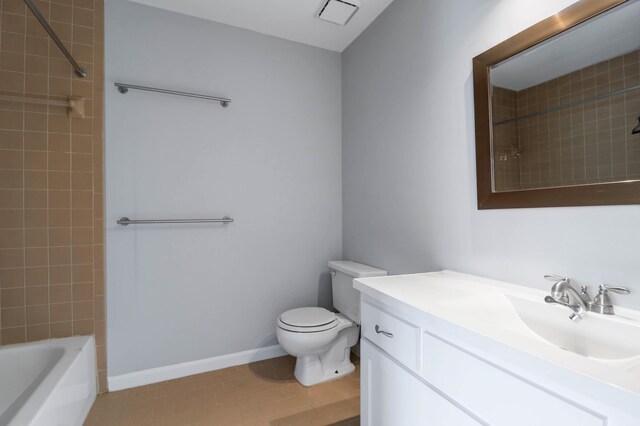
[{"x": 51, "y": 382}]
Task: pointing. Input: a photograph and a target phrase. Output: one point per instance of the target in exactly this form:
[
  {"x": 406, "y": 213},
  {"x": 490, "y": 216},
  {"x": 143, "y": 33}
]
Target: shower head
[{"x": 636, "y": 129}]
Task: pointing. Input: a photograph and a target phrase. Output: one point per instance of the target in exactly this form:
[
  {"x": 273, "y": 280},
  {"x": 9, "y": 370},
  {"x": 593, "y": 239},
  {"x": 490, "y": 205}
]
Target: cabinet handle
[{"x": 384, "y": 333}]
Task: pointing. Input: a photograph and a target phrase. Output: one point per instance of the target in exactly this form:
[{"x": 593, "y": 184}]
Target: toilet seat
[{"x": 308, "y": 320}]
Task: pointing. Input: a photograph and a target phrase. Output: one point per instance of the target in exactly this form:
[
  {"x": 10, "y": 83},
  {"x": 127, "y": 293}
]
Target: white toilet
[{"x": 320, "y": 339}]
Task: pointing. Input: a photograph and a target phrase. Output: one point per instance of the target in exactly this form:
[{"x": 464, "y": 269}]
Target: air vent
[{"x": 338, "y": 11}]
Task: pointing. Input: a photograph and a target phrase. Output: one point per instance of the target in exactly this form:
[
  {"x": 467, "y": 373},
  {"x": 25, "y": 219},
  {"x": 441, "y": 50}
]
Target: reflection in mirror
[{"x": 565, "y": 112}]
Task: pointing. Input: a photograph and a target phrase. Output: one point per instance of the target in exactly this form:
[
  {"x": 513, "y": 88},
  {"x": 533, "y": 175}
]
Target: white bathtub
[{"x": 52, "y": 382}]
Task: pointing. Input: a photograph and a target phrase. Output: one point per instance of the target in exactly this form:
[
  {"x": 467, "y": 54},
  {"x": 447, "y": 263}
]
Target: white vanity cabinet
[
  {"x": 417, "y": 368},
  {"x": 391, "y": 395}
]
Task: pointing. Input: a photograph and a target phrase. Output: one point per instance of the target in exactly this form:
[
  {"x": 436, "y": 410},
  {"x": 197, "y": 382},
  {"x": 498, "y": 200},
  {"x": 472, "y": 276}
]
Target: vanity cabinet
[
  {"x": 391, "y": 395},
  {"x": 412, "y": 374}
]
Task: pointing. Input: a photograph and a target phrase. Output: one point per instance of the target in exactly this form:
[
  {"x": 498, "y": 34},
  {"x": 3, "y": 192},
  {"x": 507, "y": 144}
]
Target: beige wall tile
[
  {"x": 35, "y": 199},
  {"x": 60, "y": 255},
  {"x": 60, "y": 293},
  {"x": 11, "y": 179},
  {"x": 12, "y": 278},
  {"x": 82, "y": 255},
  {"x": 12, "y": 317},
  {"x": 14, "y": 335},
  {"x": 36, "y": 257},
  {"x": 59, "y": 161},
  {"x": 12, "y": 297},
  {"x": 11, "y": 139},
  {"x": 37, "y": 295},
  {"x": 37, "y": 332},
  {"x": 38, "y": 46},
  {"x": 82, "y": 274},
  {"x": 83, "y": 310},
  {"x": 36, "y": 276},
  {"x": 59, "y": 180},
  {"x": 11, "y": 199},
  {"x": 43, "y": 224},
  {"x": 83, "y": 17},
  {"x": 11, "y": 81},
  {"x": 60, "y": 199},
  {"x": 82, "y": 236},
  {"x": 83, "y": 327},
  {"x": 12, "y": 238},
  {"x": 35, "y": 237},
  {"x": 59, "y": 237},
  {"x": 60, "y": 312},
  {"x": 11, "y": 218},
  {"x": 36, "y": 141},
  {"x": 61, "y": 329},
  {"x": 11, "y": 120},
  {"x": 82, "y": 181},
  {"x": 35, "y": 179},
  {"x": 82, "y": 292},
  {"x": 81, "y": 217},
  {"x": 37, "y": 315},
  {"x": 12, "y": 42},
  {"x": 60, "y": 274},
  {"x": 12, "y": 258},
  {"x": 35, "y": 218},
  {"x": 37, "y": 65},
  {"x": 14, "y": 23},
  {"x": 35, "y": 160},
  {"x": 11, "y": 159}
]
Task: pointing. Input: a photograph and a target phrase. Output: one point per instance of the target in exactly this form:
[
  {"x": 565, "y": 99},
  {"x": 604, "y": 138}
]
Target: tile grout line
[{"x": 48, "y": 193}]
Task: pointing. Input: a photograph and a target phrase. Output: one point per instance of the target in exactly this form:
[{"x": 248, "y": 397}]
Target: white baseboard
[{"x": 175, "y": 371}]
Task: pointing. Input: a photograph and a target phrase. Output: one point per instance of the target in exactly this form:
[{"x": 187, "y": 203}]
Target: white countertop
[{"x": 483, "y": 306}]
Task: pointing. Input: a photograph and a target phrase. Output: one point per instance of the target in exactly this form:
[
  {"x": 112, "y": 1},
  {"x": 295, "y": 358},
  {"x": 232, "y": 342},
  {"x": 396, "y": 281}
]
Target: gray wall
[
  {"x": 409, "y": 189},
  {"x": 272, "y": 160}
]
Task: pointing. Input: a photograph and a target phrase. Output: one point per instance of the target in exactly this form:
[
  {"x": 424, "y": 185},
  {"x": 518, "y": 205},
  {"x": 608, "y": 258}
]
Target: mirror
[{"x": 561, "y": 122}]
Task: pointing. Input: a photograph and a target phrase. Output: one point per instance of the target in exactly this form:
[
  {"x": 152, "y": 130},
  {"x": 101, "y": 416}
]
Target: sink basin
[
  {"x": 598, "y": 337},
  {"x": 595, "y": 336}
]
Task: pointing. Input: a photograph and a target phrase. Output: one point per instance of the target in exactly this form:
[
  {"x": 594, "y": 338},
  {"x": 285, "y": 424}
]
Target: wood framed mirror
[{"x": 557, "y": 110}]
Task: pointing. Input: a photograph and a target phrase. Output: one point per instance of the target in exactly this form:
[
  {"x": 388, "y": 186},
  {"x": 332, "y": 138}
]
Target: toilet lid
[{"x": 308, "y": 317}]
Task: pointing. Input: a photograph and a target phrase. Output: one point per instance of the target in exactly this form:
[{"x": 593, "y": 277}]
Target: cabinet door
[
  {"x": 500, "y": 397},
  {"x": 391, "y": 396}
]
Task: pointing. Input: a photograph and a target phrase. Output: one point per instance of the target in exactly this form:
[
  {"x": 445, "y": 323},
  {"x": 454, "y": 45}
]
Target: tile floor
[{"x": 261, "y": 393}]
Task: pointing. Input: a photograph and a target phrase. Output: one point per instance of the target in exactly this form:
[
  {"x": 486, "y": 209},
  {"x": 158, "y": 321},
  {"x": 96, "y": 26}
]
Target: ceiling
[
  {"x": 288, "y": 19},
  {"x": 605, "y": 37}
]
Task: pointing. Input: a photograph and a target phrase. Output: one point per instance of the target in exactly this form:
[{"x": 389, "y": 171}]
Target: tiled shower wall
[
  {"x": 51, "y": 177},
  {"x": 506, "y": 167},
  {"x": 587, "y": 143}
]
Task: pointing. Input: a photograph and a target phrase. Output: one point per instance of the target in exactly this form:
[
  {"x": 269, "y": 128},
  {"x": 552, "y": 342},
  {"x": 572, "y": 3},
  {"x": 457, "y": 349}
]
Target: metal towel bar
[
  {"x": 124, "y": 88},
  {"x": 124, "y": 221}
]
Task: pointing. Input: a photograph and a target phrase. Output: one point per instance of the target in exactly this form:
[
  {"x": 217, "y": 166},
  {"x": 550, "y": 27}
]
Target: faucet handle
[
  {"x": 620, "y": 290},
  {"x": 552, "y": 277},
  {"x": 602, "y": 302}
]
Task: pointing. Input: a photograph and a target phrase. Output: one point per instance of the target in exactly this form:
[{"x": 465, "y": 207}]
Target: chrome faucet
[{"x": 563, "y": 293}]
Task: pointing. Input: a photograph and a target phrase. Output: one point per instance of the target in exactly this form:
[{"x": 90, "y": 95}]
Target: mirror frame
[{"x": 616, "y": 193}]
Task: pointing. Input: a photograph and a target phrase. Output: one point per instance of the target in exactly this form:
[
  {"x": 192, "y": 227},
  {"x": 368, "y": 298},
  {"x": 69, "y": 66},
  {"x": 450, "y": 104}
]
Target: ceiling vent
[{"x": 338, "y": 11}]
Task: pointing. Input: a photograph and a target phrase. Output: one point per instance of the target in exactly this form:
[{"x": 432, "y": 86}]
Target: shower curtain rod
[{"x": 79, "y": 71}]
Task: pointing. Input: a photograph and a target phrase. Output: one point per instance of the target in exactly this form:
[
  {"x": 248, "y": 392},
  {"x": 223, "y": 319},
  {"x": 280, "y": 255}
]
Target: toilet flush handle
[{"x": 333, "y": 272}]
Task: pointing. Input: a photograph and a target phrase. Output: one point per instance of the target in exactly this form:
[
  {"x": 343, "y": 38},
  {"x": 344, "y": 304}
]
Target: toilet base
[
  {"x": 330, "y": 365},
  {"x": 309, "y": 370}
]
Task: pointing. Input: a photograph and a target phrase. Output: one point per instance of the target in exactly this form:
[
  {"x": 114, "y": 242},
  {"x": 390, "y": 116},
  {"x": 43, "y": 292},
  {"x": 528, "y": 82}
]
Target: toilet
[{"x": 320, "y": 339}]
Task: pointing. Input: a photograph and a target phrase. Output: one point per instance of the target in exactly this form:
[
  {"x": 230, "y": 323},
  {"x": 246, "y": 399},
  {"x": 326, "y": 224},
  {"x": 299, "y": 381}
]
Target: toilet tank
[{"x": 346, "y": 299}]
